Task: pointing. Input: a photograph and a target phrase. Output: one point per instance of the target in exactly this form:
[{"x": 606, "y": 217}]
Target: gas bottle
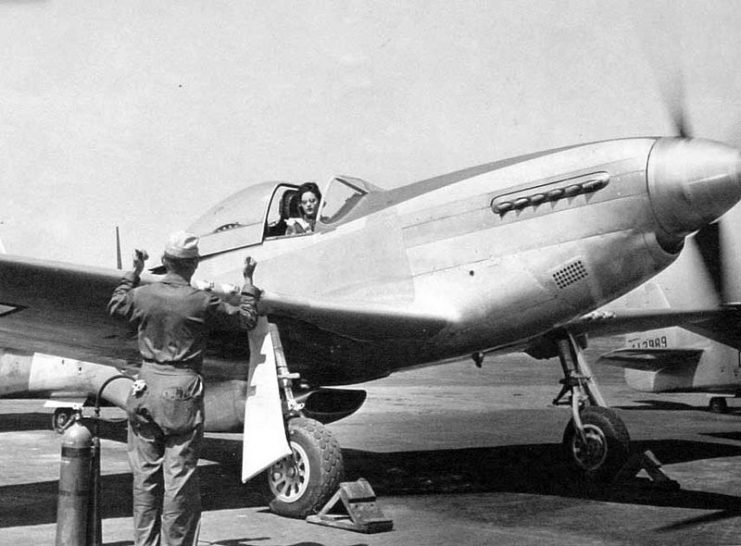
[{"x": 75, "y": 486}]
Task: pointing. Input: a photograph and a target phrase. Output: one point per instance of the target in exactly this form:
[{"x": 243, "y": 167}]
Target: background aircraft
[
  {"x": 106, "y": 102},
  {"x": 703, "y": 356},
  {"x": 677, "y": 360}
]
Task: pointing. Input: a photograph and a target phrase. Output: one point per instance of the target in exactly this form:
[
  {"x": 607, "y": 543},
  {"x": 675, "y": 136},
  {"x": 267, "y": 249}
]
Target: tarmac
[{"x": 456, "y": 455}]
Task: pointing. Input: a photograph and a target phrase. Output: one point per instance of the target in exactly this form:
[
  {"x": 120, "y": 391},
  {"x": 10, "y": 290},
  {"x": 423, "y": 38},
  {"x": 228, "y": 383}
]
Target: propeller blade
[
  {"x": 719, "y": 244},
  {"x": 681, "y": 124},
  {"x": 730, "y": 256},
  {"x": 664, "y": 54},
  {"x": 674, "y": 91},
  {"x": 709, "y": 245}
]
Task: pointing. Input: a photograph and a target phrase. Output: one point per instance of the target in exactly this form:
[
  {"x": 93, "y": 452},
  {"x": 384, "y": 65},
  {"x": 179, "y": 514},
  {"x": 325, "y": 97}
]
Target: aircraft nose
[{"x": 691, "y": 182}]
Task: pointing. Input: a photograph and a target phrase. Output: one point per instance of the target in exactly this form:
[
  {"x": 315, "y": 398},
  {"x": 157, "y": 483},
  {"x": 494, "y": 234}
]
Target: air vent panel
[{"x": 570, "y": 274}]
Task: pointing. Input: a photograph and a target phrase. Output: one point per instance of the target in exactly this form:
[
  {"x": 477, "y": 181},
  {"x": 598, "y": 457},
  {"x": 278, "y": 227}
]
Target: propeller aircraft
[
  {"x": 676, "y": 360},
  {"x": 507, "y": 256},
  {"x": 701, "y": 292}
]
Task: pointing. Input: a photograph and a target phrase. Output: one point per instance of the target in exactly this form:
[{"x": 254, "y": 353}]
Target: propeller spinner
[{"x": 717, "y": 241}]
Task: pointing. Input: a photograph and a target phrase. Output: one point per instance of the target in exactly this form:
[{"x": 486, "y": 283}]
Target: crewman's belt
[{"x": 172, "y": 367}]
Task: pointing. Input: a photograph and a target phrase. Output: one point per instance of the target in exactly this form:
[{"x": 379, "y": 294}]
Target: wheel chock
[
  {"x": 361, "y": 513},
  {"x": 646, "y": 461}
]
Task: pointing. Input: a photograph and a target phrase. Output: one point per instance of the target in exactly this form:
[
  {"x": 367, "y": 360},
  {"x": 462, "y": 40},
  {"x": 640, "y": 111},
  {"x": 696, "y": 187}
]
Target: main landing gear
[
  {"x": 302, "y": 483},
  {"x": 596, "y": 441}
]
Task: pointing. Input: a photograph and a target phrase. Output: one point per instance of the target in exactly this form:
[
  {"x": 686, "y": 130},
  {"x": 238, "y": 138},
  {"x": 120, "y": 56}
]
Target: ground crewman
[{"x": 165, "y": 405}]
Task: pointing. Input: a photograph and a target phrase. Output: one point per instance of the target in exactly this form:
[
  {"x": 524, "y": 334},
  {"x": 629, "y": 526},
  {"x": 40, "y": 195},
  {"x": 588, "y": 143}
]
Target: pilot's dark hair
[{"x": 309, "y": 186}]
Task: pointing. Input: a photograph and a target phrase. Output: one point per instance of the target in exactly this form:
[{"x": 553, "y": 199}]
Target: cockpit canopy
[
  {"x": 242, "y": 209},
  {"x": 257, "y": 213}
]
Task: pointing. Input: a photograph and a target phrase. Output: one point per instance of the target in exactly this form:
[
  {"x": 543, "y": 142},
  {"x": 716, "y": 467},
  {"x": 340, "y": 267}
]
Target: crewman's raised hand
[
  {"x": 249, "y": 268},
  {"x": 140, "y": 256}
]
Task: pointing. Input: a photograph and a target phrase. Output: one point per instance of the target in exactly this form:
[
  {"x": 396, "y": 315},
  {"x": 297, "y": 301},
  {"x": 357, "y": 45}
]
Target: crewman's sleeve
[
  {"x": 122, "y": 301},
  {"x": 233, "y": 317}
]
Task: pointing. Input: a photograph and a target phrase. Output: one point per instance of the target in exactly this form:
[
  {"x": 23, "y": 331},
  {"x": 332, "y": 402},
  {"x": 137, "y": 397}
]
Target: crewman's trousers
[
  {"x": 167, "y": 502},
  {"x": 165, "y": 436}
]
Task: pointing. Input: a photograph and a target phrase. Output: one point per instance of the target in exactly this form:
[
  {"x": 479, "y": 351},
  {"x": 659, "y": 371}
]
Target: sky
[{"x": 144, "y": 114}]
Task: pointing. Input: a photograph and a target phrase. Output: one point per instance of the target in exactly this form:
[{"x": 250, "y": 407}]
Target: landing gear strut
[
  {"x": 302, "y": 483},
  {"x": 596, "y": 441}
]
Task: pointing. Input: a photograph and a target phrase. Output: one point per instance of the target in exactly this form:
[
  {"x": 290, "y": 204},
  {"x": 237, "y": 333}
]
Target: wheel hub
[
  {"x": 289, "y": 477},
  {"x": 591, "y": 452}
]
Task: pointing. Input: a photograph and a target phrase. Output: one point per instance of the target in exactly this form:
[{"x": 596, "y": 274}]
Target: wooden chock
[
  {"x": 646, "y": 461},
  {"x": 361, "y": 511}
]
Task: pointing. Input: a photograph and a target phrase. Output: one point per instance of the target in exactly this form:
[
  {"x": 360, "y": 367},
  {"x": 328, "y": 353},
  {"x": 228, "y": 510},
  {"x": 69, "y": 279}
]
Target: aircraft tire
[
  {"x": 718, "y": 404},
  {"x": 300, "y": 485},
  {"x": 607, "y": 448}
]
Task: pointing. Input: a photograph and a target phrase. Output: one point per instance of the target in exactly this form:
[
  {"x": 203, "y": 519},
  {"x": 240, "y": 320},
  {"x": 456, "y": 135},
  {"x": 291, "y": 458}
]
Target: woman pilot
[{"x": 309, "y": 197}]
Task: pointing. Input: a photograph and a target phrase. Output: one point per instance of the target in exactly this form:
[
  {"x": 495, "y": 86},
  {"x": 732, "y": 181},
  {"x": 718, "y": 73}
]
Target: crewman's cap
[{"x": 182, "y": 245}]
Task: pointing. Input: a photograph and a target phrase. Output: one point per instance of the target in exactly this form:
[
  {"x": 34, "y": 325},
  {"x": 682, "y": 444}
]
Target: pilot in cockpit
[{"x": 308, "y": 196}]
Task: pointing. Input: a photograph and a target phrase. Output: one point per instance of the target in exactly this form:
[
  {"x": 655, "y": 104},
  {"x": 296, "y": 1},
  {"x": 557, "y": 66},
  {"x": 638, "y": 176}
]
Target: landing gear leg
[
  {"x": 596, "y": 441},
  {"x": 302, "y": 483}
]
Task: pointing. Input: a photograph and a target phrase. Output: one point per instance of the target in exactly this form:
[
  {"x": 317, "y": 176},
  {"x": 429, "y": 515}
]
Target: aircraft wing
[
  {"x": 724, "y": 328},
  {"x": 60, "y": 308},
  {"x": 606, "y": 323},
  {"x": 651, "y": 359},
  {"x": 357, "y": 320},
  {"x": 722, "y": 324}
]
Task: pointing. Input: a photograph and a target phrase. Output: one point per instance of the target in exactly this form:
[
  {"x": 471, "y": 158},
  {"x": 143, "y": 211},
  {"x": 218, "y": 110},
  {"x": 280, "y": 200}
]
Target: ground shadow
[
  {"x": 36, "y": 503},
  {"x": 724, "y": 435},
  {"x": 19, "y": 422},
  {"x": 15, "y": 422},
  {"x": 536, "y": 469},
  {"x": 665, "y": 405},
  {"x": 247, "y": 541},
  {"x": 669, "y": 405}
]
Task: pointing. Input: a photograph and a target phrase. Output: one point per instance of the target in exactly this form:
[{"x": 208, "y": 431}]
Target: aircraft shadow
[
  {"x": 535, "y": 469},
  {"x": 663, "y": 405},
  {"x": 36, "y": 503},
  {"x": 16, "y": 422},
  {"x": 724, "y": 435},
  {"x": 19, "y": 422}
]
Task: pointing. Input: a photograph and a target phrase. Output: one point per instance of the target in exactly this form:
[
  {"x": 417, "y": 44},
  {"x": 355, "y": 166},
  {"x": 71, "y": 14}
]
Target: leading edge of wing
[
  {"x": 607, "y": 323},
  {"x": 24, "y": 280},
  {"x": 358, "y": 320},
  {"x": 60, "y": 308}
]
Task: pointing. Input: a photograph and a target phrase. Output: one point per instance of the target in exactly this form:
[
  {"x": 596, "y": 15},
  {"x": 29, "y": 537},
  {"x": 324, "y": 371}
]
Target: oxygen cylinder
[{"x": 75, "y": 486}]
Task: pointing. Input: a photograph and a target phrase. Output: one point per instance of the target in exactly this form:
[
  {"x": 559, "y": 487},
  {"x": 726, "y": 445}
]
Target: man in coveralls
[{"x": 165, "y": 405}]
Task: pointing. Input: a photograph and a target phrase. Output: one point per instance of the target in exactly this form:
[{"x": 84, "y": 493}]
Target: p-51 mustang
[{"x": 500, "y": 257}]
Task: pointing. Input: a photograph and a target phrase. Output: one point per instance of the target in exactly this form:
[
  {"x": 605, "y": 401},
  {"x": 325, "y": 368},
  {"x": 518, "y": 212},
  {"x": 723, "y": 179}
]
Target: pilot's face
[{"x": 309, "y": 203}]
